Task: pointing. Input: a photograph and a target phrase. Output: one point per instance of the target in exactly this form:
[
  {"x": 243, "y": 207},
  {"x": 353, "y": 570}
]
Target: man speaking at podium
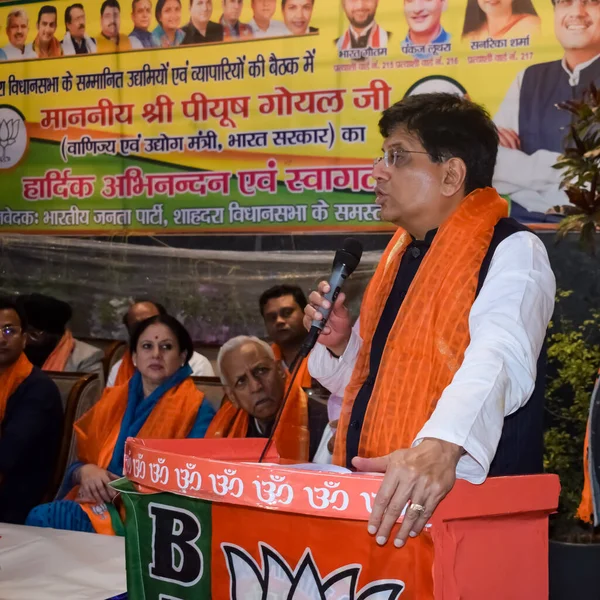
[{"x": 439, "y": 372}]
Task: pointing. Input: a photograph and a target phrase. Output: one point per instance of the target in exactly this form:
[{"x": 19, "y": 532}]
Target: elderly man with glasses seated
[{"x": 30, "y": 421}]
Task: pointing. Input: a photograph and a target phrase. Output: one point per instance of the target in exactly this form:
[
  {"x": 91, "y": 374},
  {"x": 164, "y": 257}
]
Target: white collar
[{"x": 576, "y": 73}]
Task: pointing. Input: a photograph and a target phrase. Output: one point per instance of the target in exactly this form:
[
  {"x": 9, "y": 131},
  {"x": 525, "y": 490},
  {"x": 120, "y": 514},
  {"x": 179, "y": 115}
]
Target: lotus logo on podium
[{"x": 13, "y": 137}]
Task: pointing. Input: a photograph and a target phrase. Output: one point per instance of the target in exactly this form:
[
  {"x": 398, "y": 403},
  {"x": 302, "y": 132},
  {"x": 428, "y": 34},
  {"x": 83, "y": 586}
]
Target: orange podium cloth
[{"x": 411, "y": 379}]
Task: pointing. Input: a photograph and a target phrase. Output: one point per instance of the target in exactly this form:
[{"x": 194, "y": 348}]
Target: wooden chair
[
  {"x": 79, "y": 392},
  {"x": 113, "y": 351},
  {"x": 212, "y": 388}
]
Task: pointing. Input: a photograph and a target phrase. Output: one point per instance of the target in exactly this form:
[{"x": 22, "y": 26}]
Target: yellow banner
[{"x": 262, "y": 116}]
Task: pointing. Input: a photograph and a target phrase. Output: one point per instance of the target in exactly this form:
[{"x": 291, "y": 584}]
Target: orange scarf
[
  {"x": 426, "y": 344},
  {"x": 292, "y": 436},
  {"x": 60, "y": 355},
  {"x": 11, "y": 379},
  {"x": 54, "y": 48},
  {"x": 97, "y": 431},
  {"x": 303, "y": 376},
  {"x": 585, "y": 511},
  {"x": 126, "y": 370}
]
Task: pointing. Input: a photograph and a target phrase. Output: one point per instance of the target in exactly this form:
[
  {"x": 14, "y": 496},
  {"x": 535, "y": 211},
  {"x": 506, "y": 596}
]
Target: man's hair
[
  {"x": 184, "y": 339},
  {"x": 17, "y": 12},
  {"x": 47, "y": 10},
  {"x": 109, "y": 4},
  {"x": 476, "y": 18},
  {"x": 284, "y": 2},
  {"x": 448, "y": 126},
  {"x": 234, "y": 344},
  {"x": 10, "y": 303},
  {"x": 161, "y": 309},
  {"x": 282, "y": 290},
  {"x": 159, "y": 6},
  {"x": 68, "y": 12}
]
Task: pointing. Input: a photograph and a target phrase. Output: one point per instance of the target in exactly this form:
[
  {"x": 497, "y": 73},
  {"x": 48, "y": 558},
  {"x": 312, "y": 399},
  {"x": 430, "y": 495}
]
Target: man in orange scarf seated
[
  {"x": 123, "y": 369},
  {"x": 160, "y": 402},
  {"x": 31, "y": 421},
  {"x": 443, "y": 374},
  {"x": 255, "y": 382},
  {"x": 282, "y": 310},
  {"x": 50, "y": 344}
]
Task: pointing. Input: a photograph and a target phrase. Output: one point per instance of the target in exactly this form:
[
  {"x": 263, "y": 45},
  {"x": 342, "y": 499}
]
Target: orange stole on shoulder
[
  {"x": 126, "y": 370},
  {"x": 11, "y": 379},
  {"x": 303, "y": 377},
  {"x": 60, "y": 355},
  {"x": 426, "y": 344},
  {"x": 98, "y": 429},
  {"x": 292, "y": 437}
]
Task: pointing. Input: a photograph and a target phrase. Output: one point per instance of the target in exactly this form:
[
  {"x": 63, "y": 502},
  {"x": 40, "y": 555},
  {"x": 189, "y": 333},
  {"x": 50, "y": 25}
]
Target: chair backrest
[
  {"x": 212, "y": 388},
  {"x": 211, "y": 352},
  {"x": 113, "y": 351},
  {"x": 79, "y": 392}
]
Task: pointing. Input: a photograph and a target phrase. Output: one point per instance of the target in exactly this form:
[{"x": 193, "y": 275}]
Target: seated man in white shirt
[
  {"x": 123, "y": 369},
  {"x": 263, "y": 24},
  {"x": 439, "y": 375},
  {"x": 532, "y": 128}
]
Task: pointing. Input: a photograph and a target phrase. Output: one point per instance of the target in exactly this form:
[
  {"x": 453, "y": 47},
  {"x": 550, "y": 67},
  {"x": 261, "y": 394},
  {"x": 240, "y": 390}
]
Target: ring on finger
[{"x": 419, "y": 508}]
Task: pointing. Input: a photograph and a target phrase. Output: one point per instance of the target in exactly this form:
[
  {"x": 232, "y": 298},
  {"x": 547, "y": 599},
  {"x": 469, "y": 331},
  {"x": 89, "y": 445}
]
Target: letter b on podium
[{"x": 176, "y": 557}]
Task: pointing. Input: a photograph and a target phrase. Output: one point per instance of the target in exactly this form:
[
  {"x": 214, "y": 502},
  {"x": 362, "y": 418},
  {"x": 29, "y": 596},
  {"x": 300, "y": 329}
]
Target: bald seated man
[
  {"x": 138, "y": 312},
  {"x": 255, "y": 383}
]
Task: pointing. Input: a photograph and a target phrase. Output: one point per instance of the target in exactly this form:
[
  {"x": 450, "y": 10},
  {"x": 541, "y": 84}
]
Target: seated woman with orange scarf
[
  {"x": 160, "y": 401},
  {"x": 255, "y": 382}
]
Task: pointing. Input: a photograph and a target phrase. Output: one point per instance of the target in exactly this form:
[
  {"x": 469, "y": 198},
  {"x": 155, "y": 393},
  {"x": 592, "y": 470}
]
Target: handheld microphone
[{"x": 344, "y": 263}]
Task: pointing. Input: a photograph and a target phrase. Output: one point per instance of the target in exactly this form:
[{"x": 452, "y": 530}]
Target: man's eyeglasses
[
  {"x": 569, "y": 3},
  {"x": 391, "y": 158},
  {"x": 10, "y": 331}
]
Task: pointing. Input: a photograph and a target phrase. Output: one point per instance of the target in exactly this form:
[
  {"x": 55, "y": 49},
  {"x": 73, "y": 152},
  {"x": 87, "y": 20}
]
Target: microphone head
[{"x": 349, "y": 255}]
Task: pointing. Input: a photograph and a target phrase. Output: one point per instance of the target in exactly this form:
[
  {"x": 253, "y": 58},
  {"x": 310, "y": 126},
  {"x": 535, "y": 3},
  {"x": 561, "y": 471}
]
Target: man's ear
[
  {"x": 453, "y": 177},
  {"x": 231, "y": 396}
]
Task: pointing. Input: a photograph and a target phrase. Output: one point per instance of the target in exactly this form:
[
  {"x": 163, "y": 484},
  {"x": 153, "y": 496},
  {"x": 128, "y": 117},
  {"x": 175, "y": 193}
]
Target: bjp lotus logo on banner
[
  {"x": 13, "y": 137},
  {"x": 277, "y": 580}
]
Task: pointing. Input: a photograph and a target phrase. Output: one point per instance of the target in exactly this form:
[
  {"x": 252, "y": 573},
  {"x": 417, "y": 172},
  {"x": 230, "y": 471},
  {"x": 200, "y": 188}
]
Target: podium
[{"x": 204, "y": 520}]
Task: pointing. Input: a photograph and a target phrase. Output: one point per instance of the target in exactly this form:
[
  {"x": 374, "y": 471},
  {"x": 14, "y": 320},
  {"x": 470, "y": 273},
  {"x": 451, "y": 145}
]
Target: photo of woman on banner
[
  {"x": 141, "y": 15},
  {"x": 75, "y": 40},
  {"x": 168, "y": 32},
  {"x": 498, "y": 19},
  {"x": 160, "y": 401},
  {"x": 201, "y": 29},
  {"x": 111, "y": 39},
  {"x": 424, "y": 27},
  {"x": 45, "y": 44},
  {"x": 532, "y": 129},
  {"x": 363, "y": 33},
  {"x": 297, "y": 15}
]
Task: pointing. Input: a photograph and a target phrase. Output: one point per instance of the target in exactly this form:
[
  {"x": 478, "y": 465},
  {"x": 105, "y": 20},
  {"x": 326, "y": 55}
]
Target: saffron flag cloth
[
  {"x": 126, "y": 370},
  {"x": 233, "y": 552},
  {"x": 60, "y": 355},
  {"x": 11, "y": 379}
]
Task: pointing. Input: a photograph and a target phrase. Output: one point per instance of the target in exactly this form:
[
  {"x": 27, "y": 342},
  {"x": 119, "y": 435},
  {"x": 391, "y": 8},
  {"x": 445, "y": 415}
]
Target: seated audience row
[{"x": 150, "y": 393}]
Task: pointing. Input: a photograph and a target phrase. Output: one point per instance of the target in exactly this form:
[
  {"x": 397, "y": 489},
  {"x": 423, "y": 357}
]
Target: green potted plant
[{"x": 574, "y": 360}]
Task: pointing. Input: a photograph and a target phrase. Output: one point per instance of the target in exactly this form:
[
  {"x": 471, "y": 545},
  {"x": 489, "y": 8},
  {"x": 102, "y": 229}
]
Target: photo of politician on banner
[{"x": 179, "y": 116}]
